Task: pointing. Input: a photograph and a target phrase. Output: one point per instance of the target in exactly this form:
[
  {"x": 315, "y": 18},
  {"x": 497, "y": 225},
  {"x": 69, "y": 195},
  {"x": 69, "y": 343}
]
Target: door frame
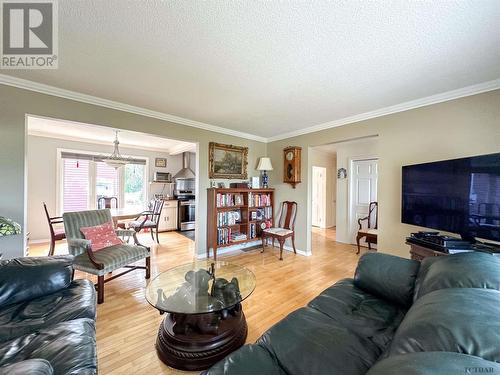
[
  {"x": 350, "y": 186},
  {"x": 323, "y": 206}
]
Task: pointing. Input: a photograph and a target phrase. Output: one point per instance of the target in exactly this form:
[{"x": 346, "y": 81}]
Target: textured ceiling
[{"x": 272, "y": 67}]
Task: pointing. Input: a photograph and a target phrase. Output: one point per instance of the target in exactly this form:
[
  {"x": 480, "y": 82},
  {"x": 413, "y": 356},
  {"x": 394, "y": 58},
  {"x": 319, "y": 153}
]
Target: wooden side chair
[
  {"x": 56, "y": 233},
  {"x": 149, "y": 219},
  {"x": 285, "y": 228},
  {"x": 371, "y": 229},
  {"x": 106, "y": 260}
]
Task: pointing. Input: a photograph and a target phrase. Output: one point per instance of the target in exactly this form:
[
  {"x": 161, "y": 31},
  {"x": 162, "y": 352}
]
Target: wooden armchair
[
  {"x": 371, "y": 230},
  {"x": 149, "y": 219},
  {"x": 106, "y": 260},
  {"x": 56, "y": 234},
  {"x": 285, "y": 228}
]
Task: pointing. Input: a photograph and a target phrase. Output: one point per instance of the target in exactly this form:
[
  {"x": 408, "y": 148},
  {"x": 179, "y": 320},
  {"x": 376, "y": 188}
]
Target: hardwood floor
[{"x": 127, "y": 325}]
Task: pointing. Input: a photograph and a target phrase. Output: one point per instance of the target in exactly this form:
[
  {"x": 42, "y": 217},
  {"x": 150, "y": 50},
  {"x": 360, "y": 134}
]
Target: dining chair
[
  {"x": 149, "y": 219},
  {"x": 104, "y": 261},
  {"x": 56, "y": 233},
  {"x": 371, "y": 230},
  {"x": 285, "y": 228}
]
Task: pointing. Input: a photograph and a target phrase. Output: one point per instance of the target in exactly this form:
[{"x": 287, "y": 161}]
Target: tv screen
[{"x": 460, "y": 196}]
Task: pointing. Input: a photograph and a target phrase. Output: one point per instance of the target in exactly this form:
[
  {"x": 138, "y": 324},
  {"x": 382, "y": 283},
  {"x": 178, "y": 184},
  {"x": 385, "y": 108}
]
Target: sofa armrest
[
  {"x": 387, "y": 276},
  {"x": 24, "y": 279},
  {"x": 29, "y": 366}
]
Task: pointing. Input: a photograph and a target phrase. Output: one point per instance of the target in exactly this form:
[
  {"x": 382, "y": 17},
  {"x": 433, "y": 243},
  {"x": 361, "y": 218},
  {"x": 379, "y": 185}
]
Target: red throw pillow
[{"x": 101, "y": 236}]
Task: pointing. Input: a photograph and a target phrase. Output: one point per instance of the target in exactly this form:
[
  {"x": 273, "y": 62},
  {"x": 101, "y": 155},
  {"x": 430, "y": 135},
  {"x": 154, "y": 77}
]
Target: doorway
[
  {"x": 363, "y": 190},
  {"x": 319, "y": 197}
]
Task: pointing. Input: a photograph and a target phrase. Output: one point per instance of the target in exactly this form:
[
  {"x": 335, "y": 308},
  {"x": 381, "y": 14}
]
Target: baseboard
[
  {"x": 47, "y": 241},
  {"x": 237, "y": 249}
]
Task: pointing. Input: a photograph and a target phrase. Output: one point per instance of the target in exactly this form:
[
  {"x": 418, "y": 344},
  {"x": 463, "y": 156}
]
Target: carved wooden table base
[{"x": 196, "y": 341}]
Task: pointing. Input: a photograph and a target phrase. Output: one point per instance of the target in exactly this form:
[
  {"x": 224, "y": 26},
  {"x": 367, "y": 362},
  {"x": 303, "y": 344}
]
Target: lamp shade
[
  {"x": 265, "y": 165},
  {"x": 8, "y": 227}
]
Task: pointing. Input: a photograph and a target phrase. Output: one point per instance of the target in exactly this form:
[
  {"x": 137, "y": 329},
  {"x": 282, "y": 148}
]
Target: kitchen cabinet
[{"x": 168, "y": 216}]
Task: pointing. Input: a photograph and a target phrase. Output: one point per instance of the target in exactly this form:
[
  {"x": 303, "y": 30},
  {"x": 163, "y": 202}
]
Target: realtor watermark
[{"x": 29, "y": 34}]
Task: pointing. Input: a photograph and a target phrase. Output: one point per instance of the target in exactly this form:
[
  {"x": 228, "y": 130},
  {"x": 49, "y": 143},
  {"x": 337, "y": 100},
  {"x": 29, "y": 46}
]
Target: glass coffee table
[{"x": 204, "y": 320}]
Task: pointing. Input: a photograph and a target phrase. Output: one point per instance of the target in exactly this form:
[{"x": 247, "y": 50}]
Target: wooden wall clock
[{"x": 291, "y": 171}]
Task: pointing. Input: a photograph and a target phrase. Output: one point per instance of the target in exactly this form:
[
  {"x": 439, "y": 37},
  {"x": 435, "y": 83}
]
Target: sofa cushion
[
  {"x": 466, "y": 270},
  {"x": 70, "y": 347},
  {"x": 452, "y": 320},
  {"x": 76, "y": 301},
  {"x": 387, "y": 276},
  {"x": 429, "y": 363},
  {"x": 248, "y": 360},
  {"x": 23, "y": 279},
  {"x": 310, "y": 342},
  {"x": 366, "y": 315},
  {"x": 30, "y": 366}
]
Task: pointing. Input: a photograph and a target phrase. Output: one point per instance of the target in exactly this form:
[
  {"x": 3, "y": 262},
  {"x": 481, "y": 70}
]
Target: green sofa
[
  {"x": 47, "y": 319},
  {"x": 396, "y": 316}
]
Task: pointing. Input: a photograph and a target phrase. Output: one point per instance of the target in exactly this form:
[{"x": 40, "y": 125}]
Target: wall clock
[{"x": 291, "y": 171}]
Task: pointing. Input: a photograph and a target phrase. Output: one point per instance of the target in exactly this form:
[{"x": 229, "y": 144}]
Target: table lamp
[{"x": 265, "y": 165}]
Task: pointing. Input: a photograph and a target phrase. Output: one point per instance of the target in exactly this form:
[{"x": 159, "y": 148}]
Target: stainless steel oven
[{"x": 187, "y": 209}]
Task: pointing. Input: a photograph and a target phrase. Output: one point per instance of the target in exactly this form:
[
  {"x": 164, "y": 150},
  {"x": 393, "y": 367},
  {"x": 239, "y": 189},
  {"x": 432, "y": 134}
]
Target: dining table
[{"x": 124, "y": 214}]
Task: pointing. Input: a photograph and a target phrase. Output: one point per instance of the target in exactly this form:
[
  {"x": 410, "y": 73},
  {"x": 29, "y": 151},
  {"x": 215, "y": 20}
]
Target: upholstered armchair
[{"x": 106, "y": 260}]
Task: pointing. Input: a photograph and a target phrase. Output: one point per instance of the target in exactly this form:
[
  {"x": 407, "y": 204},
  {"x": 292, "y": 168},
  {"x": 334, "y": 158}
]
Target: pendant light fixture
[{"x": 116, "y": 160}]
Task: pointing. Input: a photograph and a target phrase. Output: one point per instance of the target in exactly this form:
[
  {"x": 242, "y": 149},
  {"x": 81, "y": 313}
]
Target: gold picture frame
[{"x": 227, "y": 161}]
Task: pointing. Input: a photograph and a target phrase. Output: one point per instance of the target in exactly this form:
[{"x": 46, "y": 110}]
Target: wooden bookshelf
[{"x": 235, "y": 213}]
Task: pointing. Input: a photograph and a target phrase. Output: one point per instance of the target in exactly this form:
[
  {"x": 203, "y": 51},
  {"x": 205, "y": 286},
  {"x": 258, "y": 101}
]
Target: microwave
[{"x": 163, "y": 177}]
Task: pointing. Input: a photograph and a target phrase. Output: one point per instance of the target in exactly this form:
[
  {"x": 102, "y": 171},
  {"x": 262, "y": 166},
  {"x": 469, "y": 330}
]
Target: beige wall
[
  {"x": 42, "y": 166},
  {"x": 458, "y": 128},
  {"x": 16, "y": 103},
  {"x": 328, "y": 161}
]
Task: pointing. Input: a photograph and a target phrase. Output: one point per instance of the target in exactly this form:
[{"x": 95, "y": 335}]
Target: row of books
[
  {"x": 228, "y": 218},
  {"x": 223, "y": 236},
  {"x": 259, "y": 199},
  {"x": 229, "y": 200},
  {"x": 226, "y": 236},
  {"x": 237, "y": 236},
  {"x": 262, "y": 213}
]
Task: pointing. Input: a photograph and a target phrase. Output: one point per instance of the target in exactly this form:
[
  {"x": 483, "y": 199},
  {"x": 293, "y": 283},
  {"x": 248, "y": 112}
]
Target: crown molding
[
  {"x": 89, "y": 99},
  {"x": 422, "y": 102}
]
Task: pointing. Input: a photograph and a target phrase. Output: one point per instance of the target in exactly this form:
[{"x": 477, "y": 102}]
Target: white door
[
  {"x": 363, "y": 191},
  {"x": 319, "y": 197}
]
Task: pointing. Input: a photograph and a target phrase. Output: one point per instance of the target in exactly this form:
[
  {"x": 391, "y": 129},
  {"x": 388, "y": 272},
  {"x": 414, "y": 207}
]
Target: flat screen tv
[{"x": 460, "y": 196}]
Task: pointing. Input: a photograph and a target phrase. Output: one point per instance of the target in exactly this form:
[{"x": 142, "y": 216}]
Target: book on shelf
[
  {"x": 223, "y": 236},
  {"x": 229, "y": 199},
  {"x": 228, "y": 218},
  {"x": 255, "y": 199},
  {"x": 265, "y": 213},
  {"x": 237, "y": 236}
]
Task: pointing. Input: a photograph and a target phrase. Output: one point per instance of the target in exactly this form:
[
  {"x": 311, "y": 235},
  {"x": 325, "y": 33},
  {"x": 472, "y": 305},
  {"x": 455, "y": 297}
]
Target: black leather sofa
[
  {"x": 396, "y": 316},
  {"x": 47, "y": 319}
]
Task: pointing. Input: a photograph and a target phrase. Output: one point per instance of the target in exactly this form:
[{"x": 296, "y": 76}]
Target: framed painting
[
  {"x": 160, "y": 162},
  {"x": 227, "y": 161}
]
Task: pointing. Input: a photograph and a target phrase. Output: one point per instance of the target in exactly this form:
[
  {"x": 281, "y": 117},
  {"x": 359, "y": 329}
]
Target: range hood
[{"x": 185, "y": 172}]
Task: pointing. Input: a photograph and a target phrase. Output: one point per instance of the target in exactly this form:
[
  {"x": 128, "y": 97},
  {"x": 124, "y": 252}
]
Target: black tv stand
[{"x": 422, "y": 246}]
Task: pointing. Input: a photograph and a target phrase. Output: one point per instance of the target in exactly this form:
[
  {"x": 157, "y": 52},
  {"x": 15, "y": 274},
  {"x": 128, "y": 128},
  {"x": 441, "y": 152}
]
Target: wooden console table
[{"x": 419, "y": 252}]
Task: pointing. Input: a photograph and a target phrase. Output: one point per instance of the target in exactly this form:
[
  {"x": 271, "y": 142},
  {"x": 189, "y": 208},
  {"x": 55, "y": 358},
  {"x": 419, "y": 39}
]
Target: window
[
  {"x": 134, "y": 186},
  {"x": 84, "y": 178},
  {"x": 75, "y": 186}
]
